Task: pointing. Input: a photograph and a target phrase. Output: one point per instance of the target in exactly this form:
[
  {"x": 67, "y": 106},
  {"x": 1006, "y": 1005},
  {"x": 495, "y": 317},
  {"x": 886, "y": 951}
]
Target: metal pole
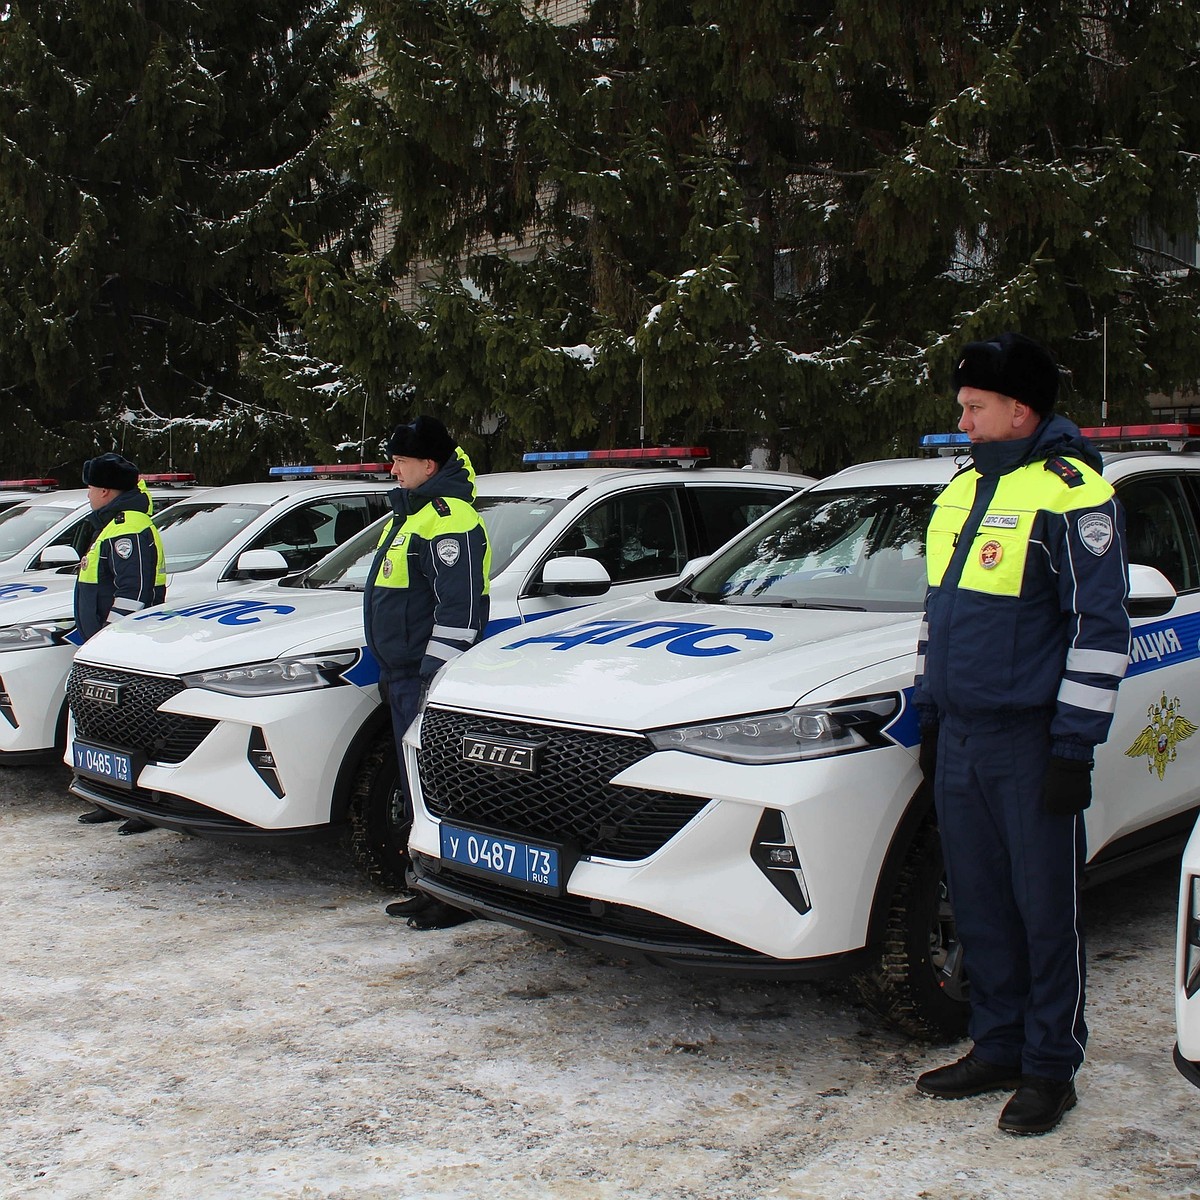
[{"x": 1104, "y": 378}]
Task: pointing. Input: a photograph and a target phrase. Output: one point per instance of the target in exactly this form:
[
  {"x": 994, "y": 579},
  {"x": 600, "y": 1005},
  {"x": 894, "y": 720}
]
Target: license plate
[
  {"x": 530, "y": 866},
  {"x": 113, "y": 766}
]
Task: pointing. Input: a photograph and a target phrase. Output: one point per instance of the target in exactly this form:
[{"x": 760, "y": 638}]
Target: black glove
[
  {"x": 1067, "y": 788},
  {"x": 927, "y": 759}
]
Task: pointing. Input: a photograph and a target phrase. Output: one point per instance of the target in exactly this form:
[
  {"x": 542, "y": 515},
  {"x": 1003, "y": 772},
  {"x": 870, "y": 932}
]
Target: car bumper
[
  {"x": 217, "y": 790},
  {"x": 702, "y": 899},
  {"x": 34, "y": 682}
]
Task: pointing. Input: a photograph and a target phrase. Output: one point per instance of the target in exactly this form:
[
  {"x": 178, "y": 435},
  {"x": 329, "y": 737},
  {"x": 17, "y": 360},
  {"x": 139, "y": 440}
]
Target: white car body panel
[
  {"x": 311, "y": 733},
  {"x": 842, "y": 811},
  {"x": 1187, "y": 964}
]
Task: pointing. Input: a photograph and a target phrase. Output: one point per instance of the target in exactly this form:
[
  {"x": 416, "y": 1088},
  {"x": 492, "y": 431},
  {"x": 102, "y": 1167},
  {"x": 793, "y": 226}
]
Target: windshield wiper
[{"x": 782, "y": 603}]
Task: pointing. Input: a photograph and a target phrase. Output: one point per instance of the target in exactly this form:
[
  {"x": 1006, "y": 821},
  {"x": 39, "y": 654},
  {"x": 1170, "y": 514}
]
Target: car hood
[
  {"x": 645, "y": 663},
  {"x": 203, "y": 632},
  {"x": 37, "y": 599}
]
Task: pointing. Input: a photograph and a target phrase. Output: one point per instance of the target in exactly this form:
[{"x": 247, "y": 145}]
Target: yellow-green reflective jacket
[
  {"x": 426, "y": 598},
  {"x": 1028, "y": 573}
]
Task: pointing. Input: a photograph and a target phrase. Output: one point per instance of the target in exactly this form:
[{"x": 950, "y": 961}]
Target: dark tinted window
[
  {"x": 724, "y": 512},
  {"x": 1160, "y": 530}
]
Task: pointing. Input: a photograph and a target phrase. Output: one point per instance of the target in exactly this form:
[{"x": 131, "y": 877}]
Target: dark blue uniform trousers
[
  {"x": 404, "y": 699},
  {"x": 1014, "y": 872}
]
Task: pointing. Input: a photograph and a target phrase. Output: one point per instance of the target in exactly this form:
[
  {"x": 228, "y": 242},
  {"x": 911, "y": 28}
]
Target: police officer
[
  {"x": 1025, "y": 640},
  {"x": 426, "y": 599},
  {"x": 122, "y": 570}
]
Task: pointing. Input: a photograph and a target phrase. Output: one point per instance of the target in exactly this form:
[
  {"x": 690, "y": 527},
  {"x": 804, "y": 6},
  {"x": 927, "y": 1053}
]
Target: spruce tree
[
  {"x": 764, "y": 223},
  {"x": 156, "y": 160}
]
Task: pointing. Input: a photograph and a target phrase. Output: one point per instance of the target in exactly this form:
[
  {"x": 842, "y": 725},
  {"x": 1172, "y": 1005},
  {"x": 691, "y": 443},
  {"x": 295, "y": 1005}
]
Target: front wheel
[
  {"x": 919, "y": 983},
  {"x": 379, "y": 818}
]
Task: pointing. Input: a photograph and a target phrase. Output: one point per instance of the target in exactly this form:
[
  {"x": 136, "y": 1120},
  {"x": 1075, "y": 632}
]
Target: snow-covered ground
[{"x": 182, "y": 1018}]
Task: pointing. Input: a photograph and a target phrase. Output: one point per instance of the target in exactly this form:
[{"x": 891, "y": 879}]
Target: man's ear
[{"x": 1022, "y": 415}]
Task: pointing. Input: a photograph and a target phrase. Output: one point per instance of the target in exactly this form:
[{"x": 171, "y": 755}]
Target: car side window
[
  {"x": 308, "y": 532},
  {"x": 634, "y": 535},
  {"x": 726, "y": 511},
  {"x": 1160, "y": 530}
]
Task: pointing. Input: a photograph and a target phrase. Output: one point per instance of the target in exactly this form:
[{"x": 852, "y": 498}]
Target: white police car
[
  {"x": 724, "y": 776},
  {"x": 224, "y": 539},
  {"x": 259, "y": 713},
  {"x": 1187, "y": 957},
  {"x": 15, "y": 491},
  {"x": 49, "y": 529}
]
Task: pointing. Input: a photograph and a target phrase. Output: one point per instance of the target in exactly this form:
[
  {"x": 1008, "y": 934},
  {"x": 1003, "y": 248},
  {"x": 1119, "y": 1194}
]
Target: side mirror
[
  {"x": 574, "y": 576},
  {"x": 57, "y": 556},
  {"x": 1150, "y": 592},
  {"x": 261, "y": 564}
]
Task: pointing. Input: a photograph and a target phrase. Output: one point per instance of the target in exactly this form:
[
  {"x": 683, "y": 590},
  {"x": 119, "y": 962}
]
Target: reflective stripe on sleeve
[
  {"x": 1080, "y": 695},
  {"x": 1097, "y": 662}
]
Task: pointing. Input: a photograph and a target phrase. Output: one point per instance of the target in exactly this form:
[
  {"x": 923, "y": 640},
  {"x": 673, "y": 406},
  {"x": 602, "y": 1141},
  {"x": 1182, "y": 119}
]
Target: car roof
[
  {"x": 272, "y": 492},
  {"x": 564, "y": 482},
  {"x": 940, "y": 469}
]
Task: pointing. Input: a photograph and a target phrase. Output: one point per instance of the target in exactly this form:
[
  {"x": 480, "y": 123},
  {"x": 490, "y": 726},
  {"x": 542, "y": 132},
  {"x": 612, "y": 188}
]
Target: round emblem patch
[
  {"x": 123, "y": 547},
  {"x": 387, "y": 568},
  {"x": 990, "y": 555},
  {"x": 448, "y": 551},
  {"x": 1096, "y": 532}
]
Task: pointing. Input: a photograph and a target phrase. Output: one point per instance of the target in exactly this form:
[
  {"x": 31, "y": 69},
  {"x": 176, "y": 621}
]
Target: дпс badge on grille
[
  {"x": 508, "y": 753},
  {"x": 101, "y": 692}
]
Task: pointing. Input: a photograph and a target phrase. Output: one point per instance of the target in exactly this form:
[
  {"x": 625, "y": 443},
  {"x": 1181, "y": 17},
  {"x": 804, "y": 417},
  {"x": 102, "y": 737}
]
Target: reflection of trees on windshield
[{"x": 873, "y": 542}]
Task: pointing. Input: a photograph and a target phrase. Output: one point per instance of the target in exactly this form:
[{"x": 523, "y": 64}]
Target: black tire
[
  {"x": 379, "y": 819},
  {"x": 918, "y": 983}
]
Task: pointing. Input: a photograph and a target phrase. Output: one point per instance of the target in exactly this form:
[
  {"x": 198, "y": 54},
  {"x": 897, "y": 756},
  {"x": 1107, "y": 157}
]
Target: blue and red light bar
[
  {"x": 331, "y": 469},
  {"x": 28, "y": 485},
  {"x": 1171, "y": 432},
  {"x": 170, "y": 477},
  {"x": 642, "y": 454}
]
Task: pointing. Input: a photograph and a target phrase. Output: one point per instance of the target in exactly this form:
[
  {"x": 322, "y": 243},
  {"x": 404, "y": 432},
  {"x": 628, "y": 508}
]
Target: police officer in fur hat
[
  {"x": 122, "y": 571},
  {"x": 426, "y": 599},
  {"x": 1025, "y": 640}
]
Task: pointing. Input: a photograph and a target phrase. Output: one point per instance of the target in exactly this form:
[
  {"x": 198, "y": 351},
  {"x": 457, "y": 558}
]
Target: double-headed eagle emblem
[{"x": 1158, "y": 740}]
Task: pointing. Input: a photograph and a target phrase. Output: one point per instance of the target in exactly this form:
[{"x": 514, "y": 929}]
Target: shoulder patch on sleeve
[
  {"x": 1070, "y": 475},
  {"x": 441, "y": 506}
]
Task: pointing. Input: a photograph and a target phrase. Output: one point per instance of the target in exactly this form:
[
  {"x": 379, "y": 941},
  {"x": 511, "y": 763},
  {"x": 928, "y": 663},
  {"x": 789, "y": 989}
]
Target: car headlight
[
  {"x": 36, "y": 635},
  {"x": 806, "y": 731},
  {"x": 279, "y": 675}
]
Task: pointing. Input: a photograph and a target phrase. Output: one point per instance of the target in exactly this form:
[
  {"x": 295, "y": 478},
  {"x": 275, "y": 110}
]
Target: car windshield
[
  {"x": 23, "y": 524},
  {"x": 510, "y": 522},
  {"x": 193, "y": 532},
  {"x": 860, "y": 549}
]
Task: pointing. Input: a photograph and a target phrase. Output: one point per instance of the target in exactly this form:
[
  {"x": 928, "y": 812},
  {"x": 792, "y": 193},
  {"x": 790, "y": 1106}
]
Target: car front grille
[
  {"x": 135, "y": 723},
  {"x": 569, "y": 799}
]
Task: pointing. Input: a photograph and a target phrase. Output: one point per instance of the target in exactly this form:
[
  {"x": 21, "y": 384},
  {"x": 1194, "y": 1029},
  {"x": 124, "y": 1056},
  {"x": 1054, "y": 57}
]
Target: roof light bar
[
  {"x": 938, "y": 441},
  {"x": 1142, "y": 433},
  {"x": 642, "y": 454},
  {"x": 171, "y": 477},
  {"x": 28, "y": 485},
  {"x": 329, "y": 470}
]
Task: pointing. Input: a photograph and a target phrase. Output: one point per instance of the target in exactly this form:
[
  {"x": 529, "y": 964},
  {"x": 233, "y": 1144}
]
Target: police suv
[
  {"x": 258, "y": 713},
  {"x": 49, "y": 529},
  {"x": 216, "y": 539},
  {"x": 724, "y": 775}
]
